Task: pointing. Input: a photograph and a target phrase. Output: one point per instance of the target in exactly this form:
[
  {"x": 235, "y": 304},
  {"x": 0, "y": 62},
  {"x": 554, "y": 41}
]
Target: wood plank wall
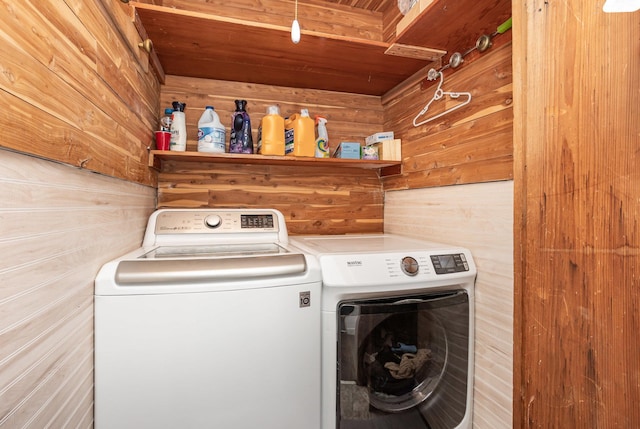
[
  {"x": 479, "y": 217},
  {"x": 58, "y": 225},
  {"x": 577, "y": 145},
  {"x": 75, "y": 88},
  {"x": 472, "y": 144},
  {"x": 314, "y": 200},
  {"x": 320, "y": 16}
]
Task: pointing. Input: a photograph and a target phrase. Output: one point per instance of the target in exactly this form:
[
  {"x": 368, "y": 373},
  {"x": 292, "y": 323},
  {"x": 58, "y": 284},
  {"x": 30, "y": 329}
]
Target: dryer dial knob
[
  {"x": 213, "y": 221},
  {"x": 410, "y": 266}
]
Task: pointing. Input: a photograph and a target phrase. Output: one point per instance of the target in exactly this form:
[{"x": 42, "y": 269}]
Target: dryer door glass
[{"x": 403, "y": 361}]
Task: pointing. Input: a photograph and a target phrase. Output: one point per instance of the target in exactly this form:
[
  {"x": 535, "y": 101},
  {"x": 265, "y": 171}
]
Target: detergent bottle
[
  {"x": 300, "y": 135},
  {"x": 211, "y": 132},
  {"x": 322, "y": 142},
  {"x": 165, "y": 121},
  {"x": 178, "y": 127},
  {"x": 271, "y": 133},
  {"x": 241, "y": 140}
]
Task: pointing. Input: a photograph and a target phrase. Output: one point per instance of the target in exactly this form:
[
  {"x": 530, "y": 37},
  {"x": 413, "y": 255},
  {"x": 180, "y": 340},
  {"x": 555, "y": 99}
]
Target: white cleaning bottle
[
  {"x": 178, "y": 128},
  {"x": 322, "y": 142},
  {"x": 211, "y": 132}
]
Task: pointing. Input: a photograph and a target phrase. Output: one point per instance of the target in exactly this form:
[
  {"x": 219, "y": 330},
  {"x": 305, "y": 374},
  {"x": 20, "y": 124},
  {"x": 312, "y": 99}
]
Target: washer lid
[
  {"x": 210, "y": 251},
  {"x": 189, "y": 271}
]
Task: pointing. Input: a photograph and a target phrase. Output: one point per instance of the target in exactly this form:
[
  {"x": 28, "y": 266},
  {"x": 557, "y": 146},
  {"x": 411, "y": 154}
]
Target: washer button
[
  {"x": 213, "y": 221},
  {"x": 410, "y": 266}
]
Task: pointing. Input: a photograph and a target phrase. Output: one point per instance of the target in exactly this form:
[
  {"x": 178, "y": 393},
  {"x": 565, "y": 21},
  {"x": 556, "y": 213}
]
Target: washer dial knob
[
  {"x": 410, "y": 266},
  {"x": 213, "y": 221}
]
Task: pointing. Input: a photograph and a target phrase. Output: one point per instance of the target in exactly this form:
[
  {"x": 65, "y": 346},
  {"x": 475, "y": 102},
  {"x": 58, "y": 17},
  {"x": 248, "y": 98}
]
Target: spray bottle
[{"x": 322, "y": 142}]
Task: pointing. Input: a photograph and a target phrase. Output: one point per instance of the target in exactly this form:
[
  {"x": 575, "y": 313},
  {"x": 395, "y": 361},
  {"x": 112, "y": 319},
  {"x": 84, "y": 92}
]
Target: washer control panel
[
  {"x": 210, "y": 222},
  {"x": 409, "y": 266},
  {"x": 452, "y": 263}
]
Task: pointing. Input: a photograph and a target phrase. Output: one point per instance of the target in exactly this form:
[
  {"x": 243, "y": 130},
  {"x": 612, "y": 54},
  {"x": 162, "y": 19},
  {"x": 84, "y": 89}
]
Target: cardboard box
[
  {"x": 378, "y": 137},
  {"x": 348, "y": 150},
  {"x": 370, "y": 152},
  {"x": 389, "y": 150}
]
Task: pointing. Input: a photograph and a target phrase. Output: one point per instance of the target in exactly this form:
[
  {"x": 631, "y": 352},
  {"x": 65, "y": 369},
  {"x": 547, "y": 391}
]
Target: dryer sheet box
[
  {"x": 378, "y": 137},
  {"x": 348, "y": 150},
  {"x": 389, "y": 150}
]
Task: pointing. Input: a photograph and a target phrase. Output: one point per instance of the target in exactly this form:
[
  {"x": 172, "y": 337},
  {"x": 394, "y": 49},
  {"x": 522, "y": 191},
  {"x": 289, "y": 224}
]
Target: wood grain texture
[
  {"x": 205, "y": 45},
  {"x": 328, "y": 201},
  {"x": 314, "y": 16},
  {"x": 472, "y": 144},
  {"x": 577, "y": 136},
  {"x": 350, "y": 117},
  {"x": 317, "y": 200},
  {"x": 480, "y": 218},
  {"x": 78, "y": 91},
  {"x": 58, "y": 225}
]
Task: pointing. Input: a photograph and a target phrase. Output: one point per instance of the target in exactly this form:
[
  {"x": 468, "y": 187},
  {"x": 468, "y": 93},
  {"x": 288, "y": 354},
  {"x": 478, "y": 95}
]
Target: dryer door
[{"x": 403, "y": 360}]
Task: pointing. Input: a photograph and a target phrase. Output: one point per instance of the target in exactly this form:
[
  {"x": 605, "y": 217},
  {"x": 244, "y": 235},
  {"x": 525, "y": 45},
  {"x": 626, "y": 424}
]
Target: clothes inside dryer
[{"x": 402, "y": 355}]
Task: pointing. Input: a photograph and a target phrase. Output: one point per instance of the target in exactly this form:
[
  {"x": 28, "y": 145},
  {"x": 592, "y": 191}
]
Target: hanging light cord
[{"x": 295, "y": 26}]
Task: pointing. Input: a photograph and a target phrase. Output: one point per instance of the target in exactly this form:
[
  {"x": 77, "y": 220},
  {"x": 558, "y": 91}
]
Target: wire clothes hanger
[{"x": 433, "y": 75}]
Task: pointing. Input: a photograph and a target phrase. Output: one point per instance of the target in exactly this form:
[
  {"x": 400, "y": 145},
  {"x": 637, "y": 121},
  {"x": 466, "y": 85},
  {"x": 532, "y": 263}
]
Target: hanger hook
[{"x": 432, "y": 74}]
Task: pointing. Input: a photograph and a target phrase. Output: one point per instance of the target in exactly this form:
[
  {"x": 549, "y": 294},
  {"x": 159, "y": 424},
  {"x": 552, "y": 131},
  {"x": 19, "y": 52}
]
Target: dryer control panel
[{"x": 453, "y": 263}]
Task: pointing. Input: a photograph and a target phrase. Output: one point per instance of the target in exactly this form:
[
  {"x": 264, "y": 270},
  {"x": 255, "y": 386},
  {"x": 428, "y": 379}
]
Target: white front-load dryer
[{"x": 397, "y": 332}]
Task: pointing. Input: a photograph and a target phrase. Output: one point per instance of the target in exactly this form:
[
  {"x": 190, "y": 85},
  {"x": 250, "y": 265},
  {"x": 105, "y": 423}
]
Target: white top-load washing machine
[
  {"x": 213, "y": 323},
  {"x": 397, "y": 332}
]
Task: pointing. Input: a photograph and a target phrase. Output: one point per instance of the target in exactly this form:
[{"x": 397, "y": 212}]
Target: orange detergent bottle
[
  {"x": 300, "y": 138},
  {"x": 271, "y": 133}
]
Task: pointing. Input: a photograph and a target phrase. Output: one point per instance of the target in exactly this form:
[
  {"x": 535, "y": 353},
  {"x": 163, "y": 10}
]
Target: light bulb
[{"x": 295, "y": 31}]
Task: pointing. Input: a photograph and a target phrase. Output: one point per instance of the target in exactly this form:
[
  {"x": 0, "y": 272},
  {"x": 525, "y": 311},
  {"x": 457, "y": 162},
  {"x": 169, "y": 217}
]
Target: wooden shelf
[
  {"x": 454, "y": 25},
  {"x": 202, "y": 45},
  {"x": 387, "y": 168}
]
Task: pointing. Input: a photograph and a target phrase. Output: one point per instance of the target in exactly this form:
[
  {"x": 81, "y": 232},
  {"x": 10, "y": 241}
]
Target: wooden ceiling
[
  {"x": 342, "y": 47},
  {"x": 370, "y": 5}
]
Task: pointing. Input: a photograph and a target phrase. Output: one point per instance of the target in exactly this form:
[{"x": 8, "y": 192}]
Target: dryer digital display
[{"x": 453, "y": 263}]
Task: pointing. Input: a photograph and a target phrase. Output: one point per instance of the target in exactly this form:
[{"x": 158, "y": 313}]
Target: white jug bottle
[
  {"x": 178, "y": 128},
  {"x": 211, "y": 132}
]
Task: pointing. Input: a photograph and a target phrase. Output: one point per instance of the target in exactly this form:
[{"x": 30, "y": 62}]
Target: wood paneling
[
  {"x": 314, "y": 16},
  {"x": 58, "y": 226},
  {"x": 318, "y": 200},
  {"x": 472, "y": 144},
  {"x": 77, "y": 90},
  {"x": 577, "y": 140},
  {"x": 207, "y": 45},
  {"x": 314, "y": 201},
  {"x": 479, "y": 217},
  {"x": 350, "y": 117}
]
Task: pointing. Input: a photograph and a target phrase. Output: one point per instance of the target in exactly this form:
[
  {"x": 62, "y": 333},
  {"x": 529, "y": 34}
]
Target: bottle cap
[
  {"x": 273, "y": 110},
  {"x": 179, "y": 106},
  {"x": 209, "y": 107},
  {"x": 304, "y": 112},
  {"x": 168, "y": 111}
]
